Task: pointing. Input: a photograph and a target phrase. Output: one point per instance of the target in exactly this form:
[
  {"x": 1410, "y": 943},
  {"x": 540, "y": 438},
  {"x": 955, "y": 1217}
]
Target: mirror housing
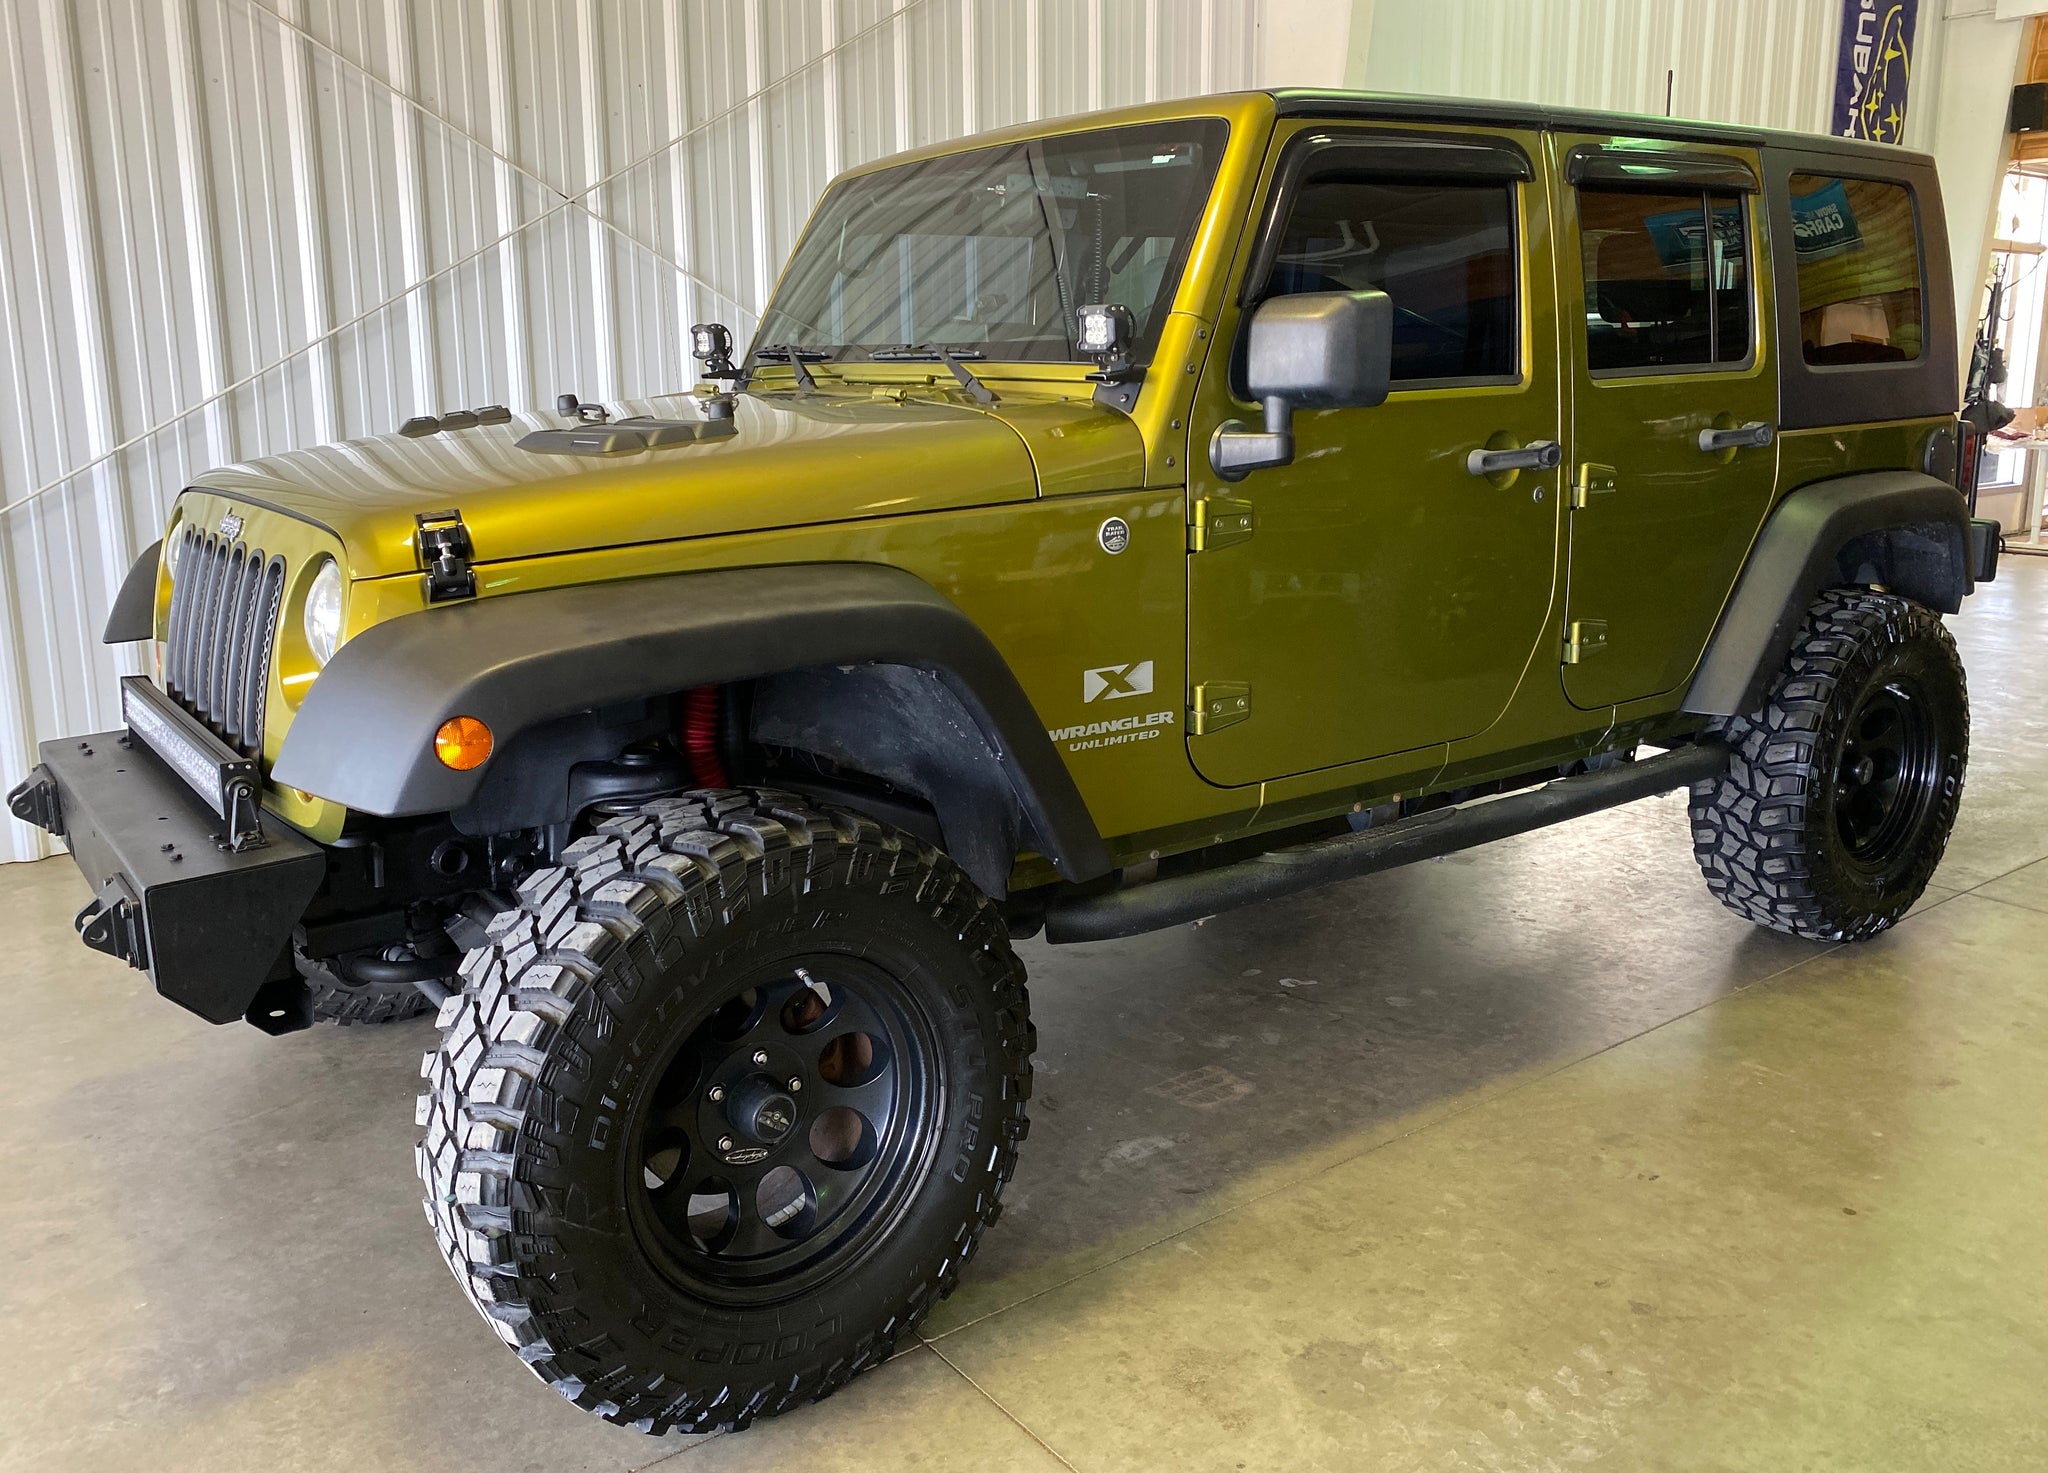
[{"x": 1313, "y": 350}]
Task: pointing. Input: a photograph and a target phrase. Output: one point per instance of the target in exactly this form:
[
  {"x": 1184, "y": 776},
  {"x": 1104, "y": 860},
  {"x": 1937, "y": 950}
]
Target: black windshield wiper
[
  {"x": 925, "y": 352},
  {"x": 794, "y": 356},
  {"x": 921, "y": 353}
]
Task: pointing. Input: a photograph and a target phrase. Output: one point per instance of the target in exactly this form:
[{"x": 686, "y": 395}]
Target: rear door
[{"x": 1673, "y": 402}]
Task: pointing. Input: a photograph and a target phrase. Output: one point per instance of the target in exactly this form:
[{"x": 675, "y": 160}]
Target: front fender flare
[
  {"x": 133, "y": 615},
  {"x": 364, "y": 736}
]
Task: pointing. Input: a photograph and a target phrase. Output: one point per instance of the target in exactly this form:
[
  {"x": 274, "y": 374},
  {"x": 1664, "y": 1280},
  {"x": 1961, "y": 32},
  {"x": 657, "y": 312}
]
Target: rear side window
[
  {"x": 1444, "y": 253},
  {"x": 1857, "y": 243},
  {"x": 1667, "y": 279}
]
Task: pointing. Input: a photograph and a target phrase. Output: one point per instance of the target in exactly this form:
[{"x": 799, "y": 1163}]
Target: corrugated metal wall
[
  {"x": 1769, "y": 63},
  {"x": 228, "y": 227}
]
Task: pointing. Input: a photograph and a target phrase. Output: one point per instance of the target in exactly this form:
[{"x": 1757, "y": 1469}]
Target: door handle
[
  {"x": 1755, "y": 434},
  {"x": 1538, "y": 455}
]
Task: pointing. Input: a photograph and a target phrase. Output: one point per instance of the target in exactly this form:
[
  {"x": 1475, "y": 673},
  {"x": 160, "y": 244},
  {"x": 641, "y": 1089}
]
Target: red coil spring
[{"x": 700, "y": 736}]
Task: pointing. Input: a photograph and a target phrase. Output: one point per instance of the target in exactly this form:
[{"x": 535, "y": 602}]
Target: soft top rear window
[{"x": 1857, "y": 244}]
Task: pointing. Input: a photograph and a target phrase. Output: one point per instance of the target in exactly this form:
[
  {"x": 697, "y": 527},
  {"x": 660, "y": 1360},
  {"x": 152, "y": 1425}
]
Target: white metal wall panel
[
  {"x": 228, "y": 227},
  {"x": 1767, "y": 63}
]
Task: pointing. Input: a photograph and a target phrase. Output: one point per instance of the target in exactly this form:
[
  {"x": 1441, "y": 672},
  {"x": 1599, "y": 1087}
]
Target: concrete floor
[{"x": 1525, "y": 1159}]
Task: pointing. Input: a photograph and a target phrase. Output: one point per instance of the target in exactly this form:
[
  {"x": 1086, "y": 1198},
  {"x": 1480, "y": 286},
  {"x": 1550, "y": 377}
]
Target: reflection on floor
[{"x": 1525, "y": 1159}]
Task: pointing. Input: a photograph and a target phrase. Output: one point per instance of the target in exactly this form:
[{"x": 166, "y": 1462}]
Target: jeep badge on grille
[{"x": 230, "y": 527}]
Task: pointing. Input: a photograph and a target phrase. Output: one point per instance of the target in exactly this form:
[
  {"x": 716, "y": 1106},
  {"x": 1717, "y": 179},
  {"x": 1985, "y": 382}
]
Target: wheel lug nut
[
  {"x": 760, "y": 1056},
  {"x": 717, "y": 1093},
  {"x": 725, "y": 1143},
  {"x": 795, "y": 1084}
]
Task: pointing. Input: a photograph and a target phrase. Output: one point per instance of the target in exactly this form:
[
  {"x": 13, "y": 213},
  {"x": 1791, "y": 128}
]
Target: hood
[{"x": 791, "y": 461}]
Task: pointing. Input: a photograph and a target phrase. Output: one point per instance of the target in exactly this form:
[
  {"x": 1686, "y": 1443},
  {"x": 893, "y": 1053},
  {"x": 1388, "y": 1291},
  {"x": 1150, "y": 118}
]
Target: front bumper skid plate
[{"x": 172, "y": 896}]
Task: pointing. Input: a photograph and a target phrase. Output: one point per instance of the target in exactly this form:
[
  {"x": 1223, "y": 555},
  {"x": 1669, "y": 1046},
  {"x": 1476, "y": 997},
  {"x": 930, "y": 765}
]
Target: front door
[
  {"x": 1380, "y": 594},
  {"x": 1673, "y": 404}
]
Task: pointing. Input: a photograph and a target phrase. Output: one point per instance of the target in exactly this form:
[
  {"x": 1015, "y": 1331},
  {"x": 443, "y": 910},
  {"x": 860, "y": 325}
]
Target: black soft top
[{"x": 1809, "y": 395}]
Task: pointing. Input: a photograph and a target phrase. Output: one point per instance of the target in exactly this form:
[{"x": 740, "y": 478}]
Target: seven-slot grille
[{"x": 224, "y": 605}]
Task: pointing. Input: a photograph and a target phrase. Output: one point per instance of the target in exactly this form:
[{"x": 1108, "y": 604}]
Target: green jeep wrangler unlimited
[{"x": 1113, "y": 521}]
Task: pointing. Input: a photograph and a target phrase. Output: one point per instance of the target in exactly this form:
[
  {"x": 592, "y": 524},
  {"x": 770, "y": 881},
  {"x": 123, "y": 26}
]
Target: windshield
[{"x": 988, "y": 253}]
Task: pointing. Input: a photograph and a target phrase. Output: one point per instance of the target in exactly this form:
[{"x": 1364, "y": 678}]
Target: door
[
  {"x": 1379, "y": 594},
  {"x": 1673, "y": 405}
]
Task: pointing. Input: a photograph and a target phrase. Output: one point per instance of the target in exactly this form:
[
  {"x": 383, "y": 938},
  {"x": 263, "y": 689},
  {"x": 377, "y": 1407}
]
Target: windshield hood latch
[{"x": 442, "y": 542}]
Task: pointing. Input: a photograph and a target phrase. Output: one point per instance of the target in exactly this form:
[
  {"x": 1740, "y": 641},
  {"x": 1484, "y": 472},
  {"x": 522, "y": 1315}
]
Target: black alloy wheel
[
  {"x": 785, "y": 1130},
  {"x": 1887, "y": 768}
]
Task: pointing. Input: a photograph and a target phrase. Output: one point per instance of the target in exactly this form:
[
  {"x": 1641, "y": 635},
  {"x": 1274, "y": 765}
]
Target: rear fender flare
[
  {"x": 364, "y": 736},
  {"x": 1902, "y": 529}
]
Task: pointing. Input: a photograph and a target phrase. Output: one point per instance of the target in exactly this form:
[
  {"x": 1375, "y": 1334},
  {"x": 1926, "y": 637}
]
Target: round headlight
[{"x": 323, "y": 612}]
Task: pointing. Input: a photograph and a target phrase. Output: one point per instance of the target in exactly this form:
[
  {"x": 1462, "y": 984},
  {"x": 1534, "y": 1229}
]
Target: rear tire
[
  {"x": 708, "y": 996},
  {"x": 1841, "y": 793}
]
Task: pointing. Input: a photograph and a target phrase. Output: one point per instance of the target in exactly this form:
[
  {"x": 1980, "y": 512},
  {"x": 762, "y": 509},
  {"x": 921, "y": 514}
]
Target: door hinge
[
  {"x": 1592, "y": 480},
  {"x": 442, "y": 543},
  {"x": 1215, "y": 704},
  {"x": 1583, "y": 637},
  {"x": 1219, "y": 521}
]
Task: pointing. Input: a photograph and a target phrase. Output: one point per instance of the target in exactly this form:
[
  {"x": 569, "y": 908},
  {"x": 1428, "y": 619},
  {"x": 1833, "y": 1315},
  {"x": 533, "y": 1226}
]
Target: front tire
[
  {"x": 724, "y": 1106},
  {"x": 1841, "y": 793}
]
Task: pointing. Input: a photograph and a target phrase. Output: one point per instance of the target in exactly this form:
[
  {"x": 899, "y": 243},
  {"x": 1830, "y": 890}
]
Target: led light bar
[{"x": 226, "y": 781}]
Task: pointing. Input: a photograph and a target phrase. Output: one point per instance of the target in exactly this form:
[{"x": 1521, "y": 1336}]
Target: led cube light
[
  {"x": 1106, "y": 330},
  {"x": 710, "y": 340},
  {"x": 711, "y": 345}
]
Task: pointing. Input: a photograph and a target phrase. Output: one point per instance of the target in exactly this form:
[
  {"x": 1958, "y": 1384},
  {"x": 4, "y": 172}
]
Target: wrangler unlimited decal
[{"x": 1112, "y": 733}]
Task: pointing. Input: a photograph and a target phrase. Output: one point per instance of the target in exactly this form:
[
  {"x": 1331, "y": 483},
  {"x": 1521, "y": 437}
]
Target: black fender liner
[
  {"x": 1902, "y": 529},
  {"x": 907, "y": 728},
  {"x": 133, "y": 616},
  {"x": 364, "y": 736}
]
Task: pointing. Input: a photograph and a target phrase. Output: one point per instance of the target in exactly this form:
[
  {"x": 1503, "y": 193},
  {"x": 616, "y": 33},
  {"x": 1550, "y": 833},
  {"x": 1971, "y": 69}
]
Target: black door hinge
[{"x": 444, "y": 548}]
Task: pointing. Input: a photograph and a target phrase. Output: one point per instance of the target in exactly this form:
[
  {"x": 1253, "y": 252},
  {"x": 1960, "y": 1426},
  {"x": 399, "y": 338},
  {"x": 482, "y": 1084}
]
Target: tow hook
[
  {"x": 35, "y": 800},
  {"x": 111, "y": 922}
]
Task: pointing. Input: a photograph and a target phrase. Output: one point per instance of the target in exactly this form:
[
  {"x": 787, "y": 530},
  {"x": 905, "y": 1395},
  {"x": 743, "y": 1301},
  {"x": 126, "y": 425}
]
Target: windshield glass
[{"x": 988, "y": 253}]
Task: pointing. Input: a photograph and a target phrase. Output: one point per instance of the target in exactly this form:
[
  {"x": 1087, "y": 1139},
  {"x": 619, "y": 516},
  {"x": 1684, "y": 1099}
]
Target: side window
[
  {"x": 1667, "y": 279},
  {"x": 1444, "y": 253},
  {"x": 1858, "y": 246}
]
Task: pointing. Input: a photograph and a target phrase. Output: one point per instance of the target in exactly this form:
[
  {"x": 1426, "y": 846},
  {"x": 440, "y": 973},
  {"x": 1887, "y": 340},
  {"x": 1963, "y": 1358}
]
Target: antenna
[{"x": 1670, "y": 76}]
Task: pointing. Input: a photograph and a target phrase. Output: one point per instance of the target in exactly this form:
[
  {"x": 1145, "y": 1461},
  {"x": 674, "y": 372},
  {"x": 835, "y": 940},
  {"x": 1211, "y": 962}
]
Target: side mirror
[{"x": 1316, "y": 350}]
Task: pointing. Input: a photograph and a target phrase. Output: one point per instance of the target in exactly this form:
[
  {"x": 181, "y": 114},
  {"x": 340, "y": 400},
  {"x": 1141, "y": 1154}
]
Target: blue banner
[{"x": 1872, "y": 69}]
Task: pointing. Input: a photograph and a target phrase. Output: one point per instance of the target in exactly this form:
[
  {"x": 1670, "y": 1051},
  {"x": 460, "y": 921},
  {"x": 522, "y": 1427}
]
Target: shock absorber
[{"x": 700, "y": 736}]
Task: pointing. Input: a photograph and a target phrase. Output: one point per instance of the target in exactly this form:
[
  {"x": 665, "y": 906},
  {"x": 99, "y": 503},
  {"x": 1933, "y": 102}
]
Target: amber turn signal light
[{"x": 463, "y": 742}]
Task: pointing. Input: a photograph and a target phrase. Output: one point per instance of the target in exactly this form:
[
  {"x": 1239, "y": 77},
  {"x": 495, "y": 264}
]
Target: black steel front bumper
[{"x": 210, "y": 922}]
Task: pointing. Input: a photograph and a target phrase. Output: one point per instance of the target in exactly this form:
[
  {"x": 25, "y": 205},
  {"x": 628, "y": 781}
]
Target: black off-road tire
[
  {"x": 1797, "y": 835},
  {"x": 557, "y": 1040},
  {"x": 337, "y": 1000}
]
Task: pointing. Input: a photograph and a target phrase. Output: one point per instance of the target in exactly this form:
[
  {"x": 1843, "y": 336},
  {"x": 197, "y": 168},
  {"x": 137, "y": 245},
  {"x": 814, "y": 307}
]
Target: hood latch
[{"x": 445, "y": 550}]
